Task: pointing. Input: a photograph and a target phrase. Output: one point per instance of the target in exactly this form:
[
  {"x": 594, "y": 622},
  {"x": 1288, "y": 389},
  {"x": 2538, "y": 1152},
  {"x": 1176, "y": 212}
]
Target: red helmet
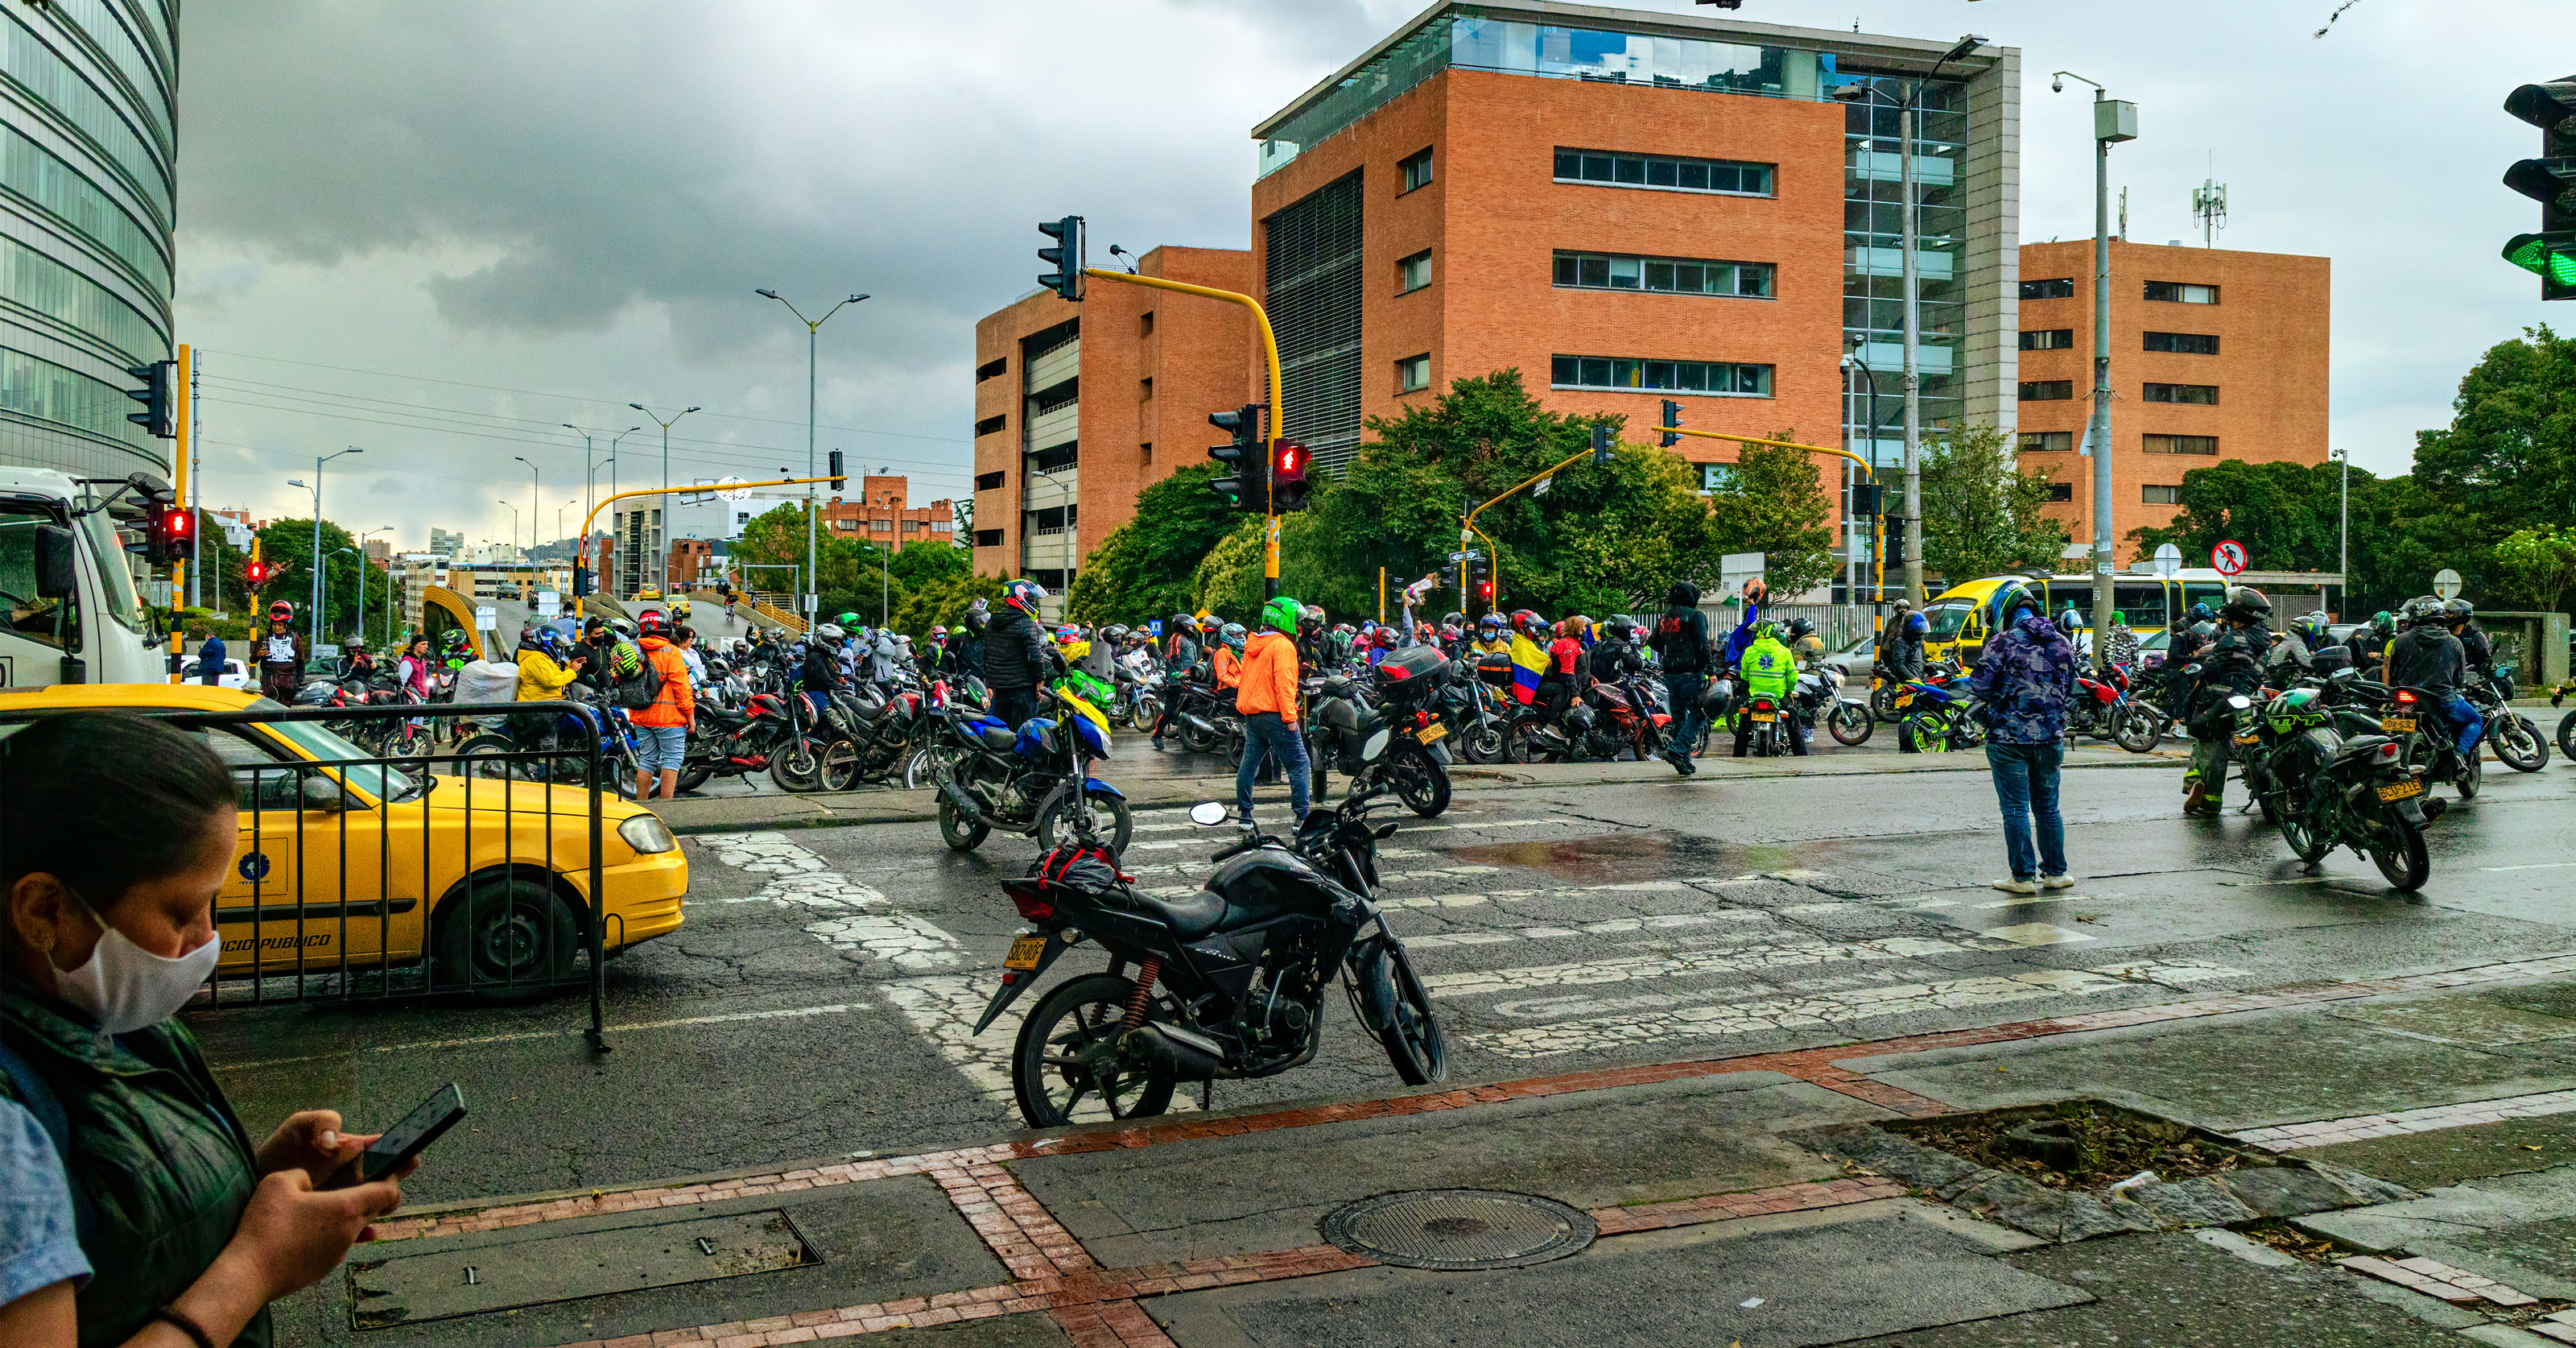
[
  {"x": 650, "y": 623},
  {"x": 1386, "y": 638},
  {"x": 281, "y": 611},
  {"x": 1524, "y": 620}
]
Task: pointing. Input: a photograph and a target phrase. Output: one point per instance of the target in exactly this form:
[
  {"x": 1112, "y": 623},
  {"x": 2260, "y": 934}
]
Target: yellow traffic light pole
[
  {"x": 582, "y": 610},
  {"x": 1270, "y": 357}
]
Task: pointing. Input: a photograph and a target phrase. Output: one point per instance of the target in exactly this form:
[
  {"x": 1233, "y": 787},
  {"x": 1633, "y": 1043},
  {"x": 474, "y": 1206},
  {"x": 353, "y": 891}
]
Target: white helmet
[{"x": 829, "y": 632}]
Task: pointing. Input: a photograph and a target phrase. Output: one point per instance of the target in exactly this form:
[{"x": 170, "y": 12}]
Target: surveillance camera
[{"x": 2056, "y": 85}]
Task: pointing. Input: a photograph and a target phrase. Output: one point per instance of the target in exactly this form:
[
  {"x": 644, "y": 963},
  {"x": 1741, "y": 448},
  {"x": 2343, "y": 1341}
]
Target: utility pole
[
  {"x": 2343, "y": 533},
  {"x": 2114, "y": 121},
  {"x": 813, "y": 578}
]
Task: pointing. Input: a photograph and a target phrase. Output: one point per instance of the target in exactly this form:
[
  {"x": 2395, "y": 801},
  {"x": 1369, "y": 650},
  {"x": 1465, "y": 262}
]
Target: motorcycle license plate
[
  {"x": 2397, "y": 725},
  {"x": 2248, "y": 739},
  {"x": 1764, "y": 716},
  {"x": 2401, "y": 790},
  {"x": 1905, "y": 699},
  {"x": 1024, "y": 952},
  {"x": 1432, "y": 734}
]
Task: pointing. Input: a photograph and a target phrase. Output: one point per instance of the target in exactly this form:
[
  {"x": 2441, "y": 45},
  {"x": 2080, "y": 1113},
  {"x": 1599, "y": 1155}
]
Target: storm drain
[{"x": 1456, "y": 1230}]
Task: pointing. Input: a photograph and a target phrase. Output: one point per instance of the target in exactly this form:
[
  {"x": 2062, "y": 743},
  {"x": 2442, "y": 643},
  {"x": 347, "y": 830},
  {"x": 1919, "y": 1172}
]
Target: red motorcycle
[
  {"x": 1628, "y": 719},
  {"x": 727, "y": 743},
  {"x": 2102, "y": 708}
]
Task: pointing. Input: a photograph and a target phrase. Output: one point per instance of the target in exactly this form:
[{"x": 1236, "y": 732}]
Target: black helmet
[
  {"x": 2198, "y": 614},
  {"x": 1800, "y": 627},
  {"x": 2245, "y": 604},
  {"x": 975, "y": 620},
  {"x": 1181, "y": 622},
  {"x": 2423, "y": 608},
  {"x": 2458, "y": 610},
  {"x": 1682, "y": 595}
]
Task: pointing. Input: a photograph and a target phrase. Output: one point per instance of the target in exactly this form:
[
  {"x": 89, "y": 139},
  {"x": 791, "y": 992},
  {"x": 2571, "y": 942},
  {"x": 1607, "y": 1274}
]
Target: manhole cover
[{"x": 1459, "y": 1229}]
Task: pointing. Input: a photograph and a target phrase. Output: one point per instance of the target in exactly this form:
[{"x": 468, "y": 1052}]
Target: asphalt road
[{"x": 818, "y": 999}]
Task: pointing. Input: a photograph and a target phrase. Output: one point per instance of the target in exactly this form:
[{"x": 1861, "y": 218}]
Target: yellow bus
[{"x": 1960, "y": 620}]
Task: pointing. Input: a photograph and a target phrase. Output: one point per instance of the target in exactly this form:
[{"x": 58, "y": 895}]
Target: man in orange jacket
[
  {"x": 662, "y": 729},
  {"x": 1268, "y": 700}
]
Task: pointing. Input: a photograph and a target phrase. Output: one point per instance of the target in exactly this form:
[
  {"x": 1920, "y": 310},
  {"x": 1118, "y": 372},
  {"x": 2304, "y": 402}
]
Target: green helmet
[
  {"x": 1281, "y": 613},
  {"x": 1766, "y": 630},
  {"x": 2295, "y": 710},
  {"x": 847, "y": 620}
]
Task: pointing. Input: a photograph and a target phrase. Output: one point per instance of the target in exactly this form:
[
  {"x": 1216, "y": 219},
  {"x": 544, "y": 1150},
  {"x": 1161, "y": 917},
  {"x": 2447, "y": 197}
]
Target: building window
[
  {"x": 1716, "y": 477},
  {"x": 991, "y": 424},
  {"x": 2178, "y": 292},
  {"x": 988, "y": 538},
  {"x": 1055, "y": 398},
  {"x": 912, "y": 526},
  {"x": 1053, "y": 580},
  {"x": 1047, "y": 522},
  {"x": 2047, "y": 442},
  {"x": 2047, "y": 390},
  {"x": 1145, "y": 324},
  {"x": 991, "y": 481},
  {"x": 2181, "y": 444},
  {"x": 2054, "y": 288},
  {"x": 2048, "y": 339},
  {"x": 1055, "y": 457},
  {"x": 1678, "y": 175},
  {"x": 1144, "y": 390},
  {"x": 1663, "y": 275},
  {"x": 2061, "y": 491},
  {"x": 2204, "y": 394},
  {"x": 2160, "y": 495},
  {"x": 991, "y": 369},
  {"x": 1413, "y": 373},
  {"x": 1145, "y": 453},
  {"x": 881, "y": 526},
  {"x": 1413, "y": 273},
  {"x": 2183, "y": 343},
  {"x": 1678, "y": 376},
  {"x": 1414, "y": 170}
]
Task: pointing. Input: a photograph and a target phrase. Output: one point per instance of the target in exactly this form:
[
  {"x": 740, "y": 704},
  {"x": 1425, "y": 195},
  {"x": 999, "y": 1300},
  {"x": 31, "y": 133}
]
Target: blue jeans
[
  {"x": 2026, "y": 787},
  {"x": 1683, "y": 692},
  {"x": 1264, "y": 734},
  {"x": 2466, "y": 720}
]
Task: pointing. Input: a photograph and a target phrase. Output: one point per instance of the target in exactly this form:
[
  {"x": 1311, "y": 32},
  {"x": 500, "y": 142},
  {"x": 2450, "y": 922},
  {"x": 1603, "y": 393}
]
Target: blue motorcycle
[
  {"x": 1035, "y": 781},
  {"x": 1936, "y": 714}
]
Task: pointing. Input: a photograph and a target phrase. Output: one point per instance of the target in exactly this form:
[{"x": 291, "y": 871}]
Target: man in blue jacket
[{"x": 2022, "y": 681}]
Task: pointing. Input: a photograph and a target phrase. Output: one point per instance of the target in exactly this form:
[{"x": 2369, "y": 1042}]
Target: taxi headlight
[{"x": 647, "y": 833}]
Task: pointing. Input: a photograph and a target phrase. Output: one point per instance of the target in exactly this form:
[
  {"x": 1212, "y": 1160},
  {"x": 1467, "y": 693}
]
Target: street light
[
  {"x": 2113, "y": 121},
  {"x": 535, "y": 478},
  {"x": 514, "y": 528},
  {"x": 589, "y": 473},
  {"x": 2343, "y": 530},
  {"x": 362, "y": 578},
  {"x": 1908, "y": 210},
  {"x": 813, "y": 578},
  {"x": 314, "y": 639},
  {"x": 665, "y": 539}
]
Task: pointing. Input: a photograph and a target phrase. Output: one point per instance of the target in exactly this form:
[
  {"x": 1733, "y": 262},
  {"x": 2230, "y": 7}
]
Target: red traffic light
[
  {"x": 1289, "y": 460},
  {"x": 255, "y": 573},
  {"x": 177, "y": 523}
]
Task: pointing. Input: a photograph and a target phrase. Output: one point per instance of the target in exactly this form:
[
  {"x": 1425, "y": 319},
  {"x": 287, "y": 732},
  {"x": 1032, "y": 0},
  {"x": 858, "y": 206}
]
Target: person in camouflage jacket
[{"x": 2023, "y": 679}]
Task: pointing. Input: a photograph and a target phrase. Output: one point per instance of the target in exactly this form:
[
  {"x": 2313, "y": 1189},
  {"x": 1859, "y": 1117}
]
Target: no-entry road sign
[{"x": 2228, "y": 557}]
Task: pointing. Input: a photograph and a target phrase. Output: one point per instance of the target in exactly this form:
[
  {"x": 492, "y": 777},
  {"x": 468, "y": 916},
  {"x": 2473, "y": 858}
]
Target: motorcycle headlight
[
  {"x": 1376, "y": 745},
  {"x": 646, "y": 833}
]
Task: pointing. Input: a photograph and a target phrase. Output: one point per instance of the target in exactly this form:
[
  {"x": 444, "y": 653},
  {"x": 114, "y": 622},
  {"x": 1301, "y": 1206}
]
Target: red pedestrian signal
[
  {"x": 1289, "y": 460},
  {"x": 256, "y": 573}
]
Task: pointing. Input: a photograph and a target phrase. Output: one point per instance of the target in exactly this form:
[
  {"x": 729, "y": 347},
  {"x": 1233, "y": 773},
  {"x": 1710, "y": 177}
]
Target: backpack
[{"x": 639, "y": 690}]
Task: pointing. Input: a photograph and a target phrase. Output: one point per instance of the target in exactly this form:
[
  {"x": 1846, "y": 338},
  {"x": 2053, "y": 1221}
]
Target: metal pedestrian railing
[{"x": 361, "y": 875}]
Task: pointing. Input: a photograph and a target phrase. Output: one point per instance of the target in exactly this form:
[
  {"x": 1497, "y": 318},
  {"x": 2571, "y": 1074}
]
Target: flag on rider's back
[{"x": 1528, "y": 663}]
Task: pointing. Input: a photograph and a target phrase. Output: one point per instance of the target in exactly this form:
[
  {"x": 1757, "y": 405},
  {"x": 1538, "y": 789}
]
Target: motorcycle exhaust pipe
[
  {"x": 1192, "y": 1057},
  {"x": 967, "y": 809},
  {"x": 1202, "y": 726}
]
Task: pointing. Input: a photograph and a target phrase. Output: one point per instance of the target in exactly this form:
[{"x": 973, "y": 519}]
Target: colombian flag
[{"x": 1528, "y": 662}]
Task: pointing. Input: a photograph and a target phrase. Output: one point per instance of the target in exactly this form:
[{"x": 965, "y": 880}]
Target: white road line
[
  {"x": 429, "y": 1045},
  {"x": 1697, "y": 1014},
  {"x": 2536, "y": 866},
  {"x": 945, "y": 1007},
  {"x": 1670, "y": 964},
  {"x": 805, "y": 880},
  {"x": 1613, "y": 926}
]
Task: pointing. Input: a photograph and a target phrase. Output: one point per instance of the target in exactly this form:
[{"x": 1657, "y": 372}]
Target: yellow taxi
[{"x": 370, "y": 865}]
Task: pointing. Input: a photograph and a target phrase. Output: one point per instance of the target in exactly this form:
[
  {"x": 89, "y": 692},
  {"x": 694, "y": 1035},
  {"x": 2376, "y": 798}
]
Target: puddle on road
[{"x": 1615, "y": 858}]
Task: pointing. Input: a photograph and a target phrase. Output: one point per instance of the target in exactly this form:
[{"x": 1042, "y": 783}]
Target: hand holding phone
[{"x": 407, "y": 1139}]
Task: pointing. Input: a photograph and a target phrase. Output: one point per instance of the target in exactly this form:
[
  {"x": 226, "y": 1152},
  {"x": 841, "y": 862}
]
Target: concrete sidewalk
[
  {"x": 2380, "y": 1162},
  {"x": 1157, "y": 782}
]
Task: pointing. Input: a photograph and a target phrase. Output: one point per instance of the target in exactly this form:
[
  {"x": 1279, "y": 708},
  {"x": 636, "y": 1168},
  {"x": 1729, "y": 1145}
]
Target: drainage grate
[{"x": 1459, "y": 1229}]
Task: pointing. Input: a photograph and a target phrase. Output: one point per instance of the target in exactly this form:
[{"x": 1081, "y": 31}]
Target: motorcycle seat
[
  {"x": 995, "y": 737},
  {"x": 1189, "y": 918},
  {"x": 2360, "y": 745}
]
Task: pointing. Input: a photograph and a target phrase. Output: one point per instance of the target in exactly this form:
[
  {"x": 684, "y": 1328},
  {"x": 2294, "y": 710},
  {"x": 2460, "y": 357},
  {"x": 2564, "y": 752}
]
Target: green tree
[
  {"x": 1146, "y": 568},
  {"x": 943, "y": 600},
  {"x": 2507, "y": 461},
  {"x": 287, "y": 547},
  {"x": 2540, "y": 563},
  {"x": 2290, "y": 517},
  {"x": 1774, "y": 503},
  {"x": 1981, "y": 514}
]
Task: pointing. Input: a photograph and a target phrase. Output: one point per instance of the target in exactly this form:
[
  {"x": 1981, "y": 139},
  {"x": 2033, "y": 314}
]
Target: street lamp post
[
  {"x": 2113, "y": 121},
  {"x": 813, "y": 578},
  {"x": 2343, "y": 533},
  {"x": 535, "y": 482},
  {"x": 314, "y": 640},
  {"x": 514, "y": 526},
  {"x": 362, "y": 578},
  {"x": 665, "y": 539}
]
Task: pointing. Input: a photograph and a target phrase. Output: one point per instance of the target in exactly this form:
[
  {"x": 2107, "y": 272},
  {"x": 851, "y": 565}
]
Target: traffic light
[
  {"x": 1480, "y": 581},
  {"x": 1601, "y": 442},
  {"x": 255, "y": 570},
  {"x": 1868, "y": 498},
  {"x": 1672, "y": 418},
  {"x": 1066, "y": 257},
  {"x": 1288, "y": 462},
  {"x": 160, "y": 413},
  {"x": 1249, "y": 487},
  {"x": 840, "y": 480},
  {"x": 166, "y": 535},
  {"x": 2551, "y": 181}
]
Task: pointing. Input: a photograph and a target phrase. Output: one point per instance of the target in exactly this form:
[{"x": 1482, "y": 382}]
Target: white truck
[{"x": 69, "y": 611}]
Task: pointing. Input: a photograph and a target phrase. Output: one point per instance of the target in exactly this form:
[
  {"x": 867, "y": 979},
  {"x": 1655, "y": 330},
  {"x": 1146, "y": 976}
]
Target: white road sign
[
  {"x": 2446, "y": 583},
  {"x": 2167, "y": 560}
]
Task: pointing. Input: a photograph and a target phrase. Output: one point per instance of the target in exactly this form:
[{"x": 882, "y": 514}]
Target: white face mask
[{"x": 127, "y": 987}]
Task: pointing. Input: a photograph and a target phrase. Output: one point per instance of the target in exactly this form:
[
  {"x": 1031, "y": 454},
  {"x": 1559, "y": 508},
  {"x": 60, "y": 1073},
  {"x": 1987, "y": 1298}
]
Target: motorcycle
[
  {"x": 1388, "y": 741},
  {"x": 1475, "y": 711},
  {"x": 1626, "y": 719},
  {"x": 1819, "y": 698},
  {"x": 727, "y": 742},
  {"x": 2353, "y": 792},
  {"x": 568, "y": 766},
  {"x": 1035, "y": 780},
  {"x": 2516, "y": 741},
  {"x": 2426, "y": 744},
  {"x": 1229, "y": 983},
  {"x": 2103, "y": 708},
  {"x": 1937, "y": 712}
]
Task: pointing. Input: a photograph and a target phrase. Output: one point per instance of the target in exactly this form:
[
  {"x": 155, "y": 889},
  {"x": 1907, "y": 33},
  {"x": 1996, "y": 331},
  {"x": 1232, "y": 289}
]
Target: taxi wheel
[{"x": 505, "y": 942}]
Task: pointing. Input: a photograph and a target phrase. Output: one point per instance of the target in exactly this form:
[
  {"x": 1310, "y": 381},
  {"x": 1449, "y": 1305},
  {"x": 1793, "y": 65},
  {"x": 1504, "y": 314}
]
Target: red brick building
[{"x": 881, "y": 514}]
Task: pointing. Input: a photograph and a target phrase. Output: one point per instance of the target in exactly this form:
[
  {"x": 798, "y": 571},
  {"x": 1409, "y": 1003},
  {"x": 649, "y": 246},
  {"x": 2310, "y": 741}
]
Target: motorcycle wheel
[
  {"x": 693, "y": 778},
  {"x": 956, "y": 832},
  {"x": 1516, "y": 744},
  {"x": 1047, "y": 1076},
  {"x": 2306, "y": 843},
  {"x": 1419, "y": 781},
  {"x": 2474, "y": 776},
  {"x": 1195, "y": 740},
  {"x": 839, "y": 768},
  {"x": 797, "y": 766},
  {"x": 1482, "y": 744},
  {"x": 2567, "y": 738},
  {"x": 1928, "y": 733},
  {"x": 2138, "y": 731},
  {"x": 1409, "y": 1029},
  {"x": 2402, "y": 857},
  {"x": 1149, "y": 709},
  {"x": 1851, "y": 724},
  {"x": 483, "y": 747},
  {"x": 1882, "y": 704},
  {"x": 1056, "y": 823},
  {"x": 2518, "y": 744}
]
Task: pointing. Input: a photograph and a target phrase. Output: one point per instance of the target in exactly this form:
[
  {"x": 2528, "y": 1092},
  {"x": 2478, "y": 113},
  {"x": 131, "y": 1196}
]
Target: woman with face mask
[{"x": 115, "y": 834}]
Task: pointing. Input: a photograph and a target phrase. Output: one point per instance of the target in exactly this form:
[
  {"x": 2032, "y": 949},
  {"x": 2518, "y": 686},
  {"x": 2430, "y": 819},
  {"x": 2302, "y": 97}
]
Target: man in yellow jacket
[{"x": 1267, "y": 698}]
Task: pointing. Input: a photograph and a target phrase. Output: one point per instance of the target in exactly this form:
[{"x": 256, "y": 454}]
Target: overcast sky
[{"x": 439, "y": 230}]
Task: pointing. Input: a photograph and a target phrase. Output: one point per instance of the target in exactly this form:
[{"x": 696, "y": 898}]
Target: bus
[{"x": 1958, "y": 618}]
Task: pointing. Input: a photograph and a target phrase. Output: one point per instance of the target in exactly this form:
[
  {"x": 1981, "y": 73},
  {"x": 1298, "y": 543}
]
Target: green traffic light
[{"x": 2550, "y": 259}]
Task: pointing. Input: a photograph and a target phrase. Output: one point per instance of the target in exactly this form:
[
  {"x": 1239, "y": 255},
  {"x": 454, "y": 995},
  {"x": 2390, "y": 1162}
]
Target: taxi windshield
[
  {"x": 376, "y": 779},
  {"x": 1946, "y": 619}
]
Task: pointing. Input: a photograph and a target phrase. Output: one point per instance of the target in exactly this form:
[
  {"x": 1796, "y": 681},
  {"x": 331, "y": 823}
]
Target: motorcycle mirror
[
  {"x": 1385, "y": 831},
  {"x": 1207, "y": 813}
]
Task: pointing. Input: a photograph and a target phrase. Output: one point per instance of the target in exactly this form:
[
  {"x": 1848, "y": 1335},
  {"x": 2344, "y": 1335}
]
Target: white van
[{"x": 69, "y": 612}]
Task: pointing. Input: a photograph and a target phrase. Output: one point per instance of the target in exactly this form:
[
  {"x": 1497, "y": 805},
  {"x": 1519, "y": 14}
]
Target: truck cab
[{"x": 69, "y": 609}]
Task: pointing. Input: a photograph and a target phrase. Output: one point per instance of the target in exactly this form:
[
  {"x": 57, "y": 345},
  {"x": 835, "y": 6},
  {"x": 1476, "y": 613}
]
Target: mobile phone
[{"x": 408, "y": 1138}]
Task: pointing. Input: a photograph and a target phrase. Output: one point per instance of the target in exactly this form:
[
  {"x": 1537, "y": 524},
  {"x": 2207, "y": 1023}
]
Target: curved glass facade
[{"x": 88, "y": 119}]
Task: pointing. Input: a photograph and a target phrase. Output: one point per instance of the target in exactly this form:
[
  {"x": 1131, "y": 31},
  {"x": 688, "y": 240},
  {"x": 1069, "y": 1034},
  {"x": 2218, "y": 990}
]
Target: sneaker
[
  {"x": 2017, "y": 886},
  {"x": 2057, "y": 882}
]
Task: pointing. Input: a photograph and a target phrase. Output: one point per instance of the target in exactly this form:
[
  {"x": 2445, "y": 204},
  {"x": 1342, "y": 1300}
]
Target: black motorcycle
[
  {"x": 2517, "y": 742},
  {"x": 1228, "y": 983},
  {"x": 2355, "y": 792},
  {"x": 1386, "y": 737}
]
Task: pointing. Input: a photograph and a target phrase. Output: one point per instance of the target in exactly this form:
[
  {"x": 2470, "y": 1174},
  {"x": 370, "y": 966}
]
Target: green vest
[
  {"x": 166, "y": 1165},
  {"x": 1769, "y": 669}
]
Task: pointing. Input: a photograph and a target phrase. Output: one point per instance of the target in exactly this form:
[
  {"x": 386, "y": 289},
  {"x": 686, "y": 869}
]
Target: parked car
[{"x": 235, "y": 674}]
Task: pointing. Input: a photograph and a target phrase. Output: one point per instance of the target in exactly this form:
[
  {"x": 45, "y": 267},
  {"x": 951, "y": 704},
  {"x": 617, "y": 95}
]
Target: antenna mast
[{"x": 2209, "y": 207}]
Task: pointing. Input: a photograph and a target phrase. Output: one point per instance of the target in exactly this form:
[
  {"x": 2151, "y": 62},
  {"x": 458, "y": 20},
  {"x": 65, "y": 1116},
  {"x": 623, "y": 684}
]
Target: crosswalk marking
[
  {"x": 1610, "y": 927},
  {"x": 803, "y": 879},
  {"x": 1669, "y": 964}
]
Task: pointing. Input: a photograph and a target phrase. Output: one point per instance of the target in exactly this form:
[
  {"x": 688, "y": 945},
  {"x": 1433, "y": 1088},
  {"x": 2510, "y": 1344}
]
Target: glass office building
[{"x": 88, "y": 148}]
